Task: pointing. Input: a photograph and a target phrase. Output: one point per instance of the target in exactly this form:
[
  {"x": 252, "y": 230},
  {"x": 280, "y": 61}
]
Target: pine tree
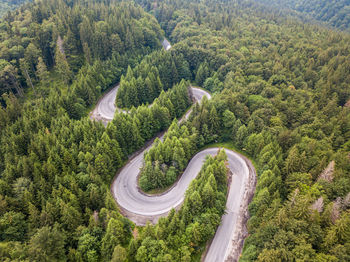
[
  {"x": 241, "y": 135},
  {"x": 202, "y": 73},
  {"x": 208, "y": 195},
  {"x": 146, "y": 175},
  {"x": 31, "y": 56},
  {"x": 116, "y": 42},
  {"x": 62, "y": 65},
  {"x": 25, "y": 72},
  {"x": 87, "y": 53},
  {"x": 41, "y": 71},
  {"x": 213, "y": 121},
  {"x": 195, "y": 202},
  {"x": 47, "y": 245},
  {"x": 119, "y": 254},
  {"x": 114, "y": 236}
]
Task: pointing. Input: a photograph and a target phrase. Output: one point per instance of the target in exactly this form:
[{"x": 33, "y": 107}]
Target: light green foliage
[
  {"x": 137, "y": 89},
  {"x": 119, "y": 254},
  {"x": 166, "y": 160},
  {"x": 88, "y": 247},
  {"x": 178, "y": 236},
  {"x": 41, "y": 71},
  {"x": 281, "y": 96},
  {"x": 114, "y": 236},
  {"x": 47, "y": 245},
  {"x": 13, "y": 226},
  {"x": 62, "y": 66},
  {"x": 202, "y": 73}
]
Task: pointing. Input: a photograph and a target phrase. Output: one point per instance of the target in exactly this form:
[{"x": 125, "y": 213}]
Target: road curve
[
  {"x": 228, "y": 241},
  {"x": 140, "y": 208},
  {"x": 105, "y": 108}
]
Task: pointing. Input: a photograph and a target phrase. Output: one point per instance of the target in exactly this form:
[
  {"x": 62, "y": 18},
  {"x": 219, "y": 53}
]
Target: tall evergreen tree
[{"x": 62, "y": 65}]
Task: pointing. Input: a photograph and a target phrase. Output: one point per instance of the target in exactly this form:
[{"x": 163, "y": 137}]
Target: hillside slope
[
  {"x": 6, "y": 5},
  {"x": 280, "y": 90},
  {"x": 335, "y": 13}
]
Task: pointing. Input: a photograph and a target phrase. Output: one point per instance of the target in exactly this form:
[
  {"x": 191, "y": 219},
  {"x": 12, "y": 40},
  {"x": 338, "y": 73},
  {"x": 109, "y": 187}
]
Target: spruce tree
[
  {"x": 41, "y": 71},
  {"x": 62, "y": 66}
]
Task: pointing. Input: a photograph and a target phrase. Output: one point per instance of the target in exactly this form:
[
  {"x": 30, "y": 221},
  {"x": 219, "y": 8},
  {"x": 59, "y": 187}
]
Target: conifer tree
[
  {"x": 25, "y": 71},
  {"x": 114, "y": 236},
  {"x": 62, "y": 65},
  {"x": 41, "y": 71}
]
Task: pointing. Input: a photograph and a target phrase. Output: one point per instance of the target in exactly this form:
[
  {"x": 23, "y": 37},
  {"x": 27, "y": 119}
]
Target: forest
[
  {"x": 281, "y": 96},
  {"x": 334, "y": 13},
  {"x": 9, "y": 5}
]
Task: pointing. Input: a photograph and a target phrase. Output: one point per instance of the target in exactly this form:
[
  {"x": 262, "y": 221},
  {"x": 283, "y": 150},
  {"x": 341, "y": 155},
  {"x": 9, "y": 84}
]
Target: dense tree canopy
[
  {"x": 158, "y": 71},
  {"x": 6, "y": 6},
  {"x": 335, "y": 13},
  {"x": 183, "y": 233},
  {"x": 280, "y": 94},
  {"x": 65, "y": 36},
  {"x": 165, "y": 160}
]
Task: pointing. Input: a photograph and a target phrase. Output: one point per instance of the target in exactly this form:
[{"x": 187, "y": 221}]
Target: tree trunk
[{"x": 30, "y": 81}]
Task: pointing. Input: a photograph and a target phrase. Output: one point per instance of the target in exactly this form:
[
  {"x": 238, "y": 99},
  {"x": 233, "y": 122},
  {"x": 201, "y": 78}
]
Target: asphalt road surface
[
  {"x": 166, "y": 44},
  {"x": 105, "y": 108},
  {"x": 140, "y": 208}
]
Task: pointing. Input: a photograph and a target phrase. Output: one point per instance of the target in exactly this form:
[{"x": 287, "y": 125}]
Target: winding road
[
  {"x": 228, "y": 241},
  {"x": 105, "y": 108}
]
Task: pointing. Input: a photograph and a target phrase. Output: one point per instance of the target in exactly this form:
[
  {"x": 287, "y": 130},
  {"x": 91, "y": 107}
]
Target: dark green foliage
[
  {"x": 182, "y": 233},
  {"x": 143, "y": 123},
  {"x": 158, "y": 71},
  {"x": 94, "y": 31},
  {"x": 54, "y": 201},
  {"x": 335, "y": 13},
  {"x": 140, "y": 88},
  {"x": 282, "y": 96},
  {"x": 13, "y": 226},
  {"x": 6, "y": 6},
  {"x": 47, "y": 245},
  {"x": 283, "y": 119},
  {"x": 166, "y": 160}
]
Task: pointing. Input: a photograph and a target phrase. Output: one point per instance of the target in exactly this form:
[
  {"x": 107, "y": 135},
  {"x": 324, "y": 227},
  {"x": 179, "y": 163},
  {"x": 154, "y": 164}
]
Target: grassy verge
[{"x": 157, "y": 191}]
